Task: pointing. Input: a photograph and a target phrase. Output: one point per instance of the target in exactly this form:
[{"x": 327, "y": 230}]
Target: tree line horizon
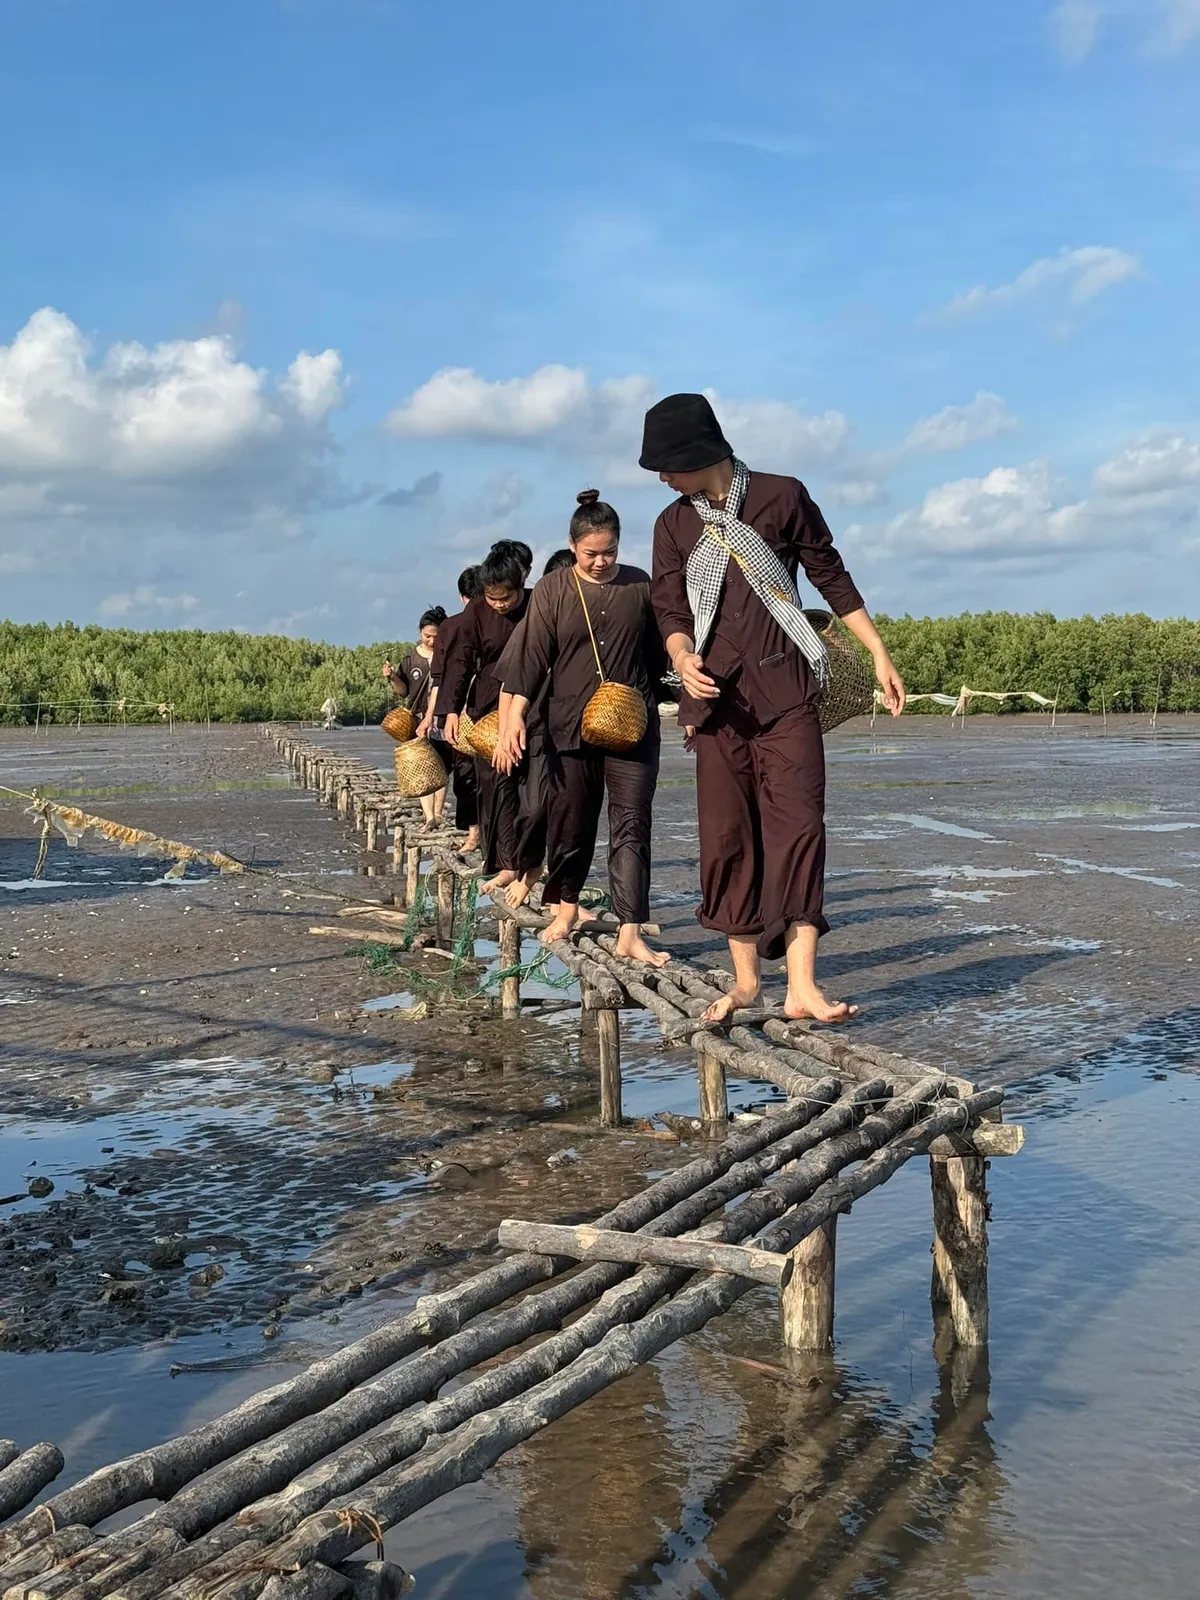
[{"x": 58, "y": 672}]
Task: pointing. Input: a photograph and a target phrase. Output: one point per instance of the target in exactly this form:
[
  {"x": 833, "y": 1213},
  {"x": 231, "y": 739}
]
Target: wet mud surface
[{"x": 246, "y": 1167}]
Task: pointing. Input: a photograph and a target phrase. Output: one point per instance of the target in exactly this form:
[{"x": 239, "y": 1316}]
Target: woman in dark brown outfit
[
  {"x": 466, "y": 784},
  {"x": 558, "y": 649},
  {"x": 725, "y": 559},
  {"x": 470, "y": 682},
  {"x": 412, "y": 681}
]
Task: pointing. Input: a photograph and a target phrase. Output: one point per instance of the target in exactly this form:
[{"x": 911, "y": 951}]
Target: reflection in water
[{"x": 831, "y": 1487}]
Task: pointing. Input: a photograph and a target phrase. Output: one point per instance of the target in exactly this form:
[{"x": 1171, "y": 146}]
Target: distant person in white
[{"x": 330, "y": 712}]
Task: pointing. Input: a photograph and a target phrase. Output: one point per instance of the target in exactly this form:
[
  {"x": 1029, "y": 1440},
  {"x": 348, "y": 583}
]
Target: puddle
[
  {"x": 1115, "y": 872},
  {"x": 946, "y": 872},
  {"x": 389, "y": 1002},
  {"x": 932, "y": 825}
]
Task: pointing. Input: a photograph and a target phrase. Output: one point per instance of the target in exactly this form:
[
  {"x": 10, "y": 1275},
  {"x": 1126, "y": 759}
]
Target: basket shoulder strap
[{"x": 587, "y": 617}]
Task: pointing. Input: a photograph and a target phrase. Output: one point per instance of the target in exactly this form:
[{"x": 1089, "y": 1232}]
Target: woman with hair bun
[
  {"x": 588, "y": 623},
  {"x": 466, "y": 785},
  {"x": 412, "y": 680}
]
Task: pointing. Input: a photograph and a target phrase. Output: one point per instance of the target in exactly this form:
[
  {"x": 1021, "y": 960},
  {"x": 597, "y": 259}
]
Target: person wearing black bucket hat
[{"x": 753, "y": 671}]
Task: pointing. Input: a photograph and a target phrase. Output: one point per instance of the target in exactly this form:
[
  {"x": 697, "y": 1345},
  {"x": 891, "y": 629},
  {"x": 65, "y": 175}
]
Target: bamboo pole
[
  {"x": 806, "y": 1302},
  {"x": 467, "y": 1452},
  {"x": 412, "y": 860},
  {"x": 364, "y": 1458},
  {"x": 162, "y": 1470},
  {"x": 27, "y": 1476},
  {"x": 510, "y": 956},
  {"x": 608, "y": 1031},
  {"x": 960, "y": 1245},
  {"x": 601, "y": 1244}
]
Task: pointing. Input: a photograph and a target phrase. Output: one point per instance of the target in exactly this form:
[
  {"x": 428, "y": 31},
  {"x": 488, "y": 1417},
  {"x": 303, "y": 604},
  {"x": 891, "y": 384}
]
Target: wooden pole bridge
[{"x": 276, "y": 1498}]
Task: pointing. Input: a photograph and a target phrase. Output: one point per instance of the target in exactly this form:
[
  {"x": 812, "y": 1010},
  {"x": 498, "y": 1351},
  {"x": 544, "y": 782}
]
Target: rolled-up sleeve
[
  {"x": 823, "y": 566},
  {"x": 668, "y": 590}
]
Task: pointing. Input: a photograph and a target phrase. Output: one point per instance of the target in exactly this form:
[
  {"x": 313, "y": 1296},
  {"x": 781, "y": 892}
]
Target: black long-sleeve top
[
  {"x": 558, "y": 648},
  {"x": 414, "y": 680},
  {"x": 469, "y": 677},
  {"x": 752, "y": 660}
]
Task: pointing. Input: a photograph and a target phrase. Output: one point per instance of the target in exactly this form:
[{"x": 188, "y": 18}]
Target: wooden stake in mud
[
  {"x": 806, "y": 1301},
  {"x": 445, "y": 905},
  {"x": 714, "y": 1101},
  {"x": 608, "y": 1031},
  {"x": 372, "y": 830},
  {"x": 510, "y": 956},
  {"x": 960, "y": 1247},
  {"x": 412, "y": 883},
  {"x": 397, "y": 848}
]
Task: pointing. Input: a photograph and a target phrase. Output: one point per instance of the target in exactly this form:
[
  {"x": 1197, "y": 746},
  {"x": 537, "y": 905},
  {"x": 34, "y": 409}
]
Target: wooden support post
[
  {"x": 608, "y": 1029},
  {"x": 714, "y": 1101},
  {"x": 960, "y": 1247},
  {"x": 510, "y": 956},
  {"x": 587, "y": 1010},
  {"x": 343, "y": 797},
  {"x": 397, "y": 847},
  {"x": 412, "y": 877},
  {"x": 445, "y": 905},
  {"x": 372, "y": 820},
  {"x": 806, "y": 1302}
]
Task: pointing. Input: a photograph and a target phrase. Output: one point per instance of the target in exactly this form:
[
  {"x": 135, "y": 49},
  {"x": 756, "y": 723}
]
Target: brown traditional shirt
[
  {"x": 445, "y": 636},
  {"x": 756, "y": 666},
  {"x": 414, "y": 681},
  {"x": 558, "y": 648},
  {"x": 469, "y": 673}
]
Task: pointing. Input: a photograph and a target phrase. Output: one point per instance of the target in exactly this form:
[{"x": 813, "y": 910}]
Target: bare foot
[
  {"x": 584, "y": 915},
  {"x": 518, "y": 891},
  {"x": 633, "y": 947},
  {"x": 472, "y": 840},
  {"x": 735, "y": 1000},
  {"x": 494, "y": 885},
  {"x": 561, "y": 924},
  {"x": 812, "y": 1004}
]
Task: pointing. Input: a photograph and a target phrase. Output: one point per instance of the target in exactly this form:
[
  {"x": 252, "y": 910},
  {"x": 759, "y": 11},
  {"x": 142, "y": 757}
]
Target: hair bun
[{"x": 588, "y": 497}]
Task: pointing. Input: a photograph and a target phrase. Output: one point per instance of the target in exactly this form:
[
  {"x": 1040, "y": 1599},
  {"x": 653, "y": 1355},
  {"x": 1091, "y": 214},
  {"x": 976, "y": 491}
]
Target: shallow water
[{"x": 1063, "y": 1463}]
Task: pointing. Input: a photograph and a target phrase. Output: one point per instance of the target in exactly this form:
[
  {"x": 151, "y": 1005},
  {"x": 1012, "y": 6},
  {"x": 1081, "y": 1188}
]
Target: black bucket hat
[{"x": 682, "y": 434}]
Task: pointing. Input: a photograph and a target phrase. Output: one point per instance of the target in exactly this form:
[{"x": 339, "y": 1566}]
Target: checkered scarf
[{"x": 725, "y": 535}]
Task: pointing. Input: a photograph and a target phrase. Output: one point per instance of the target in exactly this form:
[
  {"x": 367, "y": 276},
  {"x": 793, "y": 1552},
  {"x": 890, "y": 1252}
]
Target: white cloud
[
  {"x": 1148, "y": 490},
  {"x": 1085, "y": 273},
  {"x": 1076, "y": 25},
  {"x": 110, "y": 460},
  {"x": 603, "y": 421},
  {"x": 146, "y": 599},
  {"x": 175, "y": 409},
  {"x": 955, "y": 427},
  {"x": 456, "y": 401}
]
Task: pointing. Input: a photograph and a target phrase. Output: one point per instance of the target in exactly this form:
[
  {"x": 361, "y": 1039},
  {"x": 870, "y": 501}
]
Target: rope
[
  {"x": 528, "y": 969},
  {"x": 416, "y": 913},
  {"x": 351, "y": 1519}
]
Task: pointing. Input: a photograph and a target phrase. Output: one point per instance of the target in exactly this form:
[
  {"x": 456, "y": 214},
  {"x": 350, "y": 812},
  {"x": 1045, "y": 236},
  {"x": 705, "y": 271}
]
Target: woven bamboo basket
[
  {"x": 851, "y": 691},
  {"x": 400, "y": 723},
  {"x": 463, "y": 743},
  {"x": 485, "y": 735},
  {"x": 419, "y": 769},
  {"x": 614, "y": 719}
]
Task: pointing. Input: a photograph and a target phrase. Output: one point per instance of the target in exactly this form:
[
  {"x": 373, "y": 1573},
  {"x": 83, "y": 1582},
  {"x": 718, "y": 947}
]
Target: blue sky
[{"x": 304, "y": 303}]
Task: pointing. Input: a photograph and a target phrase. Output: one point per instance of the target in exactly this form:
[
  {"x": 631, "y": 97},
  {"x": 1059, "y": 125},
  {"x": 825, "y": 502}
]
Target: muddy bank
[{"x": 232, "y": 1140}]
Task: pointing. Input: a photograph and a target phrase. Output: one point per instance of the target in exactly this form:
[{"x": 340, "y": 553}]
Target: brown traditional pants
[
  {"x": 499, "y": 807},
  {"x": 760, "y": 791},
  {"x": 575, "y": 785},
  {"x": 466, "y": 791}
]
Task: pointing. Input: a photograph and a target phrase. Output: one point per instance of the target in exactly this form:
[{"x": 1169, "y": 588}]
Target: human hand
[
  {"x": 450, "y": 728},
  {"x": 510, "y": 747},
  {"x": 425, "y": 726},
  {"x": 890, "y": 682},
  {"x": 689, "y": 664}
]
